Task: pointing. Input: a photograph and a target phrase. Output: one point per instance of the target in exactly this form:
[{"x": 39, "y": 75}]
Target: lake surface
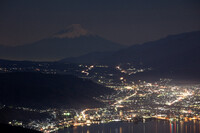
[{"x": 153, "y": 126}]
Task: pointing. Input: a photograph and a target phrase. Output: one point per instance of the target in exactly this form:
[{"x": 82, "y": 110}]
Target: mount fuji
[{"x": 70, "y": 42}]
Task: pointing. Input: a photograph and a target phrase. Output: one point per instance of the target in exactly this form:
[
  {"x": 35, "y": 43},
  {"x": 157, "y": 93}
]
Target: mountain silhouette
[
  {"x": 70, "y": 42},
  {"x": 38, "y": 90},
  {"x": 173, "y": 51}
]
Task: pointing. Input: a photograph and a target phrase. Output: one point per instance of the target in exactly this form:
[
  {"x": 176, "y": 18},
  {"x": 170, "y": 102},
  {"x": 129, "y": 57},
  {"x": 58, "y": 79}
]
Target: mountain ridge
[
  {"x": 177, "y": 53},
  {"x": 61, "y": 45}
]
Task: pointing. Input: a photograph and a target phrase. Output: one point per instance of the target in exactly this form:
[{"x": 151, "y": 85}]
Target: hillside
[
  {"x": 93, "y": 57},
  {"x": 14, "y": 129},
  {"x": 38, "y": 90}
]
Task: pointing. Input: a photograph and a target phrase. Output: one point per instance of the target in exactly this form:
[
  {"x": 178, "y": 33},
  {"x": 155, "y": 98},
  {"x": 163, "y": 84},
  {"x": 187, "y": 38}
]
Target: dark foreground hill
[
  {"x": 8, "y": 114},
  {"x": 5, "y": 128},
  {"x": 44, "y": 90}
]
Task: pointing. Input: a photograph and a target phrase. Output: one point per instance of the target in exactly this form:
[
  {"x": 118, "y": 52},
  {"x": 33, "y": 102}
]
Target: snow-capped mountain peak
[{"x": 72, "y": 31}]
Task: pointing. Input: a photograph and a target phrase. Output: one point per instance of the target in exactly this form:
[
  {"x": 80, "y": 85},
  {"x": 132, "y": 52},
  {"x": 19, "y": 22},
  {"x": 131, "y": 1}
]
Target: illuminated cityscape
[
  {"x": 100, "y": 66},
  {"x": 131, "y": 101}
]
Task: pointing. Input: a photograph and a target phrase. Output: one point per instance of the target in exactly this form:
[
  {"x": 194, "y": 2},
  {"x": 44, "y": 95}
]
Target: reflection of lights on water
[
  {"x": 144, "y": 129},
  {"x": 120, "y": 130},
  {"x": 171, "y": 127},
  {"x": 194, "y": 126},
  {"x": 116, "y": 130},
  {"x": 177, "y": 127},
  {"x": 186, "y": 128},
  {"x": 199, "y": 126},
  {"x": 181, "y": 126}
]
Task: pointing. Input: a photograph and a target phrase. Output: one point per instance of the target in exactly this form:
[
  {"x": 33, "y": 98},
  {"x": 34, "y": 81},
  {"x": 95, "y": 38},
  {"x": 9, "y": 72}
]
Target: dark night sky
[{"x": 122, "y": 21}]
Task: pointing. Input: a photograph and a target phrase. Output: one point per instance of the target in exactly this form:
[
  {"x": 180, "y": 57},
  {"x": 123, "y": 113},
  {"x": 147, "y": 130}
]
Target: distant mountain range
[
  {"x": 176, "y": 56},
  {"x": 38, "y": 90},
  {"x": 174, "y": 51},
  {"x": 70, "y": 42}
]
